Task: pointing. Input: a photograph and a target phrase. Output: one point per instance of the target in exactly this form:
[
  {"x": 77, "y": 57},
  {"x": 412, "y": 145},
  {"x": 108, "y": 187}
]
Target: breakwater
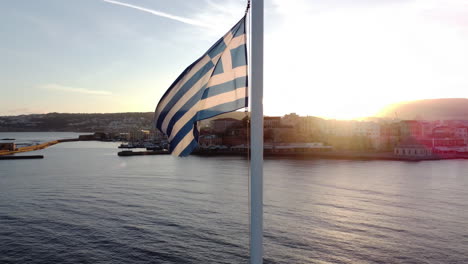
[{"x": 36, "y": 147}]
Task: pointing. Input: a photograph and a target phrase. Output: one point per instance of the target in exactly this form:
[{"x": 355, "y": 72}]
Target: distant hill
[
  {"x": 116, "y": 122},
  {"x": 430, "y": 109}
]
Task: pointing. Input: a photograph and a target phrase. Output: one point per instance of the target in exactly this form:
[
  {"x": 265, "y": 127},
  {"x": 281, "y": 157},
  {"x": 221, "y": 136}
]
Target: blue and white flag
[{"x": 214, "y": 84}]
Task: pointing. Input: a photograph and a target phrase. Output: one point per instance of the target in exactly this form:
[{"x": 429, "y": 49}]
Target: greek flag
[{"x": 214, "y": 84}]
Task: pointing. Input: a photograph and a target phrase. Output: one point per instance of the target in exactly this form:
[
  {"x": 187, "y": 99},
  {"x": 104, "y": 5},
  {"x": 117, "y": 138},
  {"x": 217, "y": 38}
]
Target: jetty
[
  {"x": 13, "y": 150},
  {"x": 28, "y": 148}
]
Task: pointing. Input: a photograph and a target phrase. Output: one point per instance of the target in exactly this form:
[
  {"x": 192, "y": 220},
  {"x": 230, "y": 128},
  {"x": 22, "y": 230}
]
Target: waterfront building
[
  {"x": 296, "y": 147},
  {"x": 338, "y": 128},
  {"x": 206, "y": 141},
  {"x": 449, "y": 136},
  {"x": 221, "y": 125},
  {"x": 366, "y": 129},
  {"x": 138, "y": 135},
  {"x": 462, "y": 132},
  {"x": 291, "y": 119},
  {"x": 310, "y": 125},
  {"x": 426, "y": 129},
  {"x": 235, "y": 136},
  {"x": 156, "y": 135},
  {"x": 411, "y": 129},
  {"x": 288, "y": 148},
  {"x": 412, "y": 148},
  {"x": 443, "y": 132},
  {"x": 370, "y": 130},
  {"x": 271, "y": 121},
  {"x": 448, "y": 142},
  {"x": 389, "y": 136}
]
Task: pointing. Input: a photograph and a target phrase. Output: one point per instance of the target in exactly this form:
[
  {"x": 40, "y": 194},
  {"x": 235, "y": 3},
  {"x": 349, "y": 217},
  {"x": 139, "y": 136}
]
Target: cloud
[
  {"x": 185, "y": 20},
  {"x": 58, "y": 87}
]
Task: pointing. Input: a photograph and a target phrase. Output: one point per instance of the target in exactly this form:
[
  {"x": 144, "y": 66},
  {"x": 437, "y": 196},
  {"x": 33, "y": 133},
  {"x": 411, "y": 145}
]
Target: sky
[{"x": 330, "y": 58}]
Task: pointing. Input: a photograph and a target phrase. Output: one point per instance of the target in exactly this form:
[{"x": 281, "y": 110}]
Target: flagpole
[{"x": 256, "y": 128}]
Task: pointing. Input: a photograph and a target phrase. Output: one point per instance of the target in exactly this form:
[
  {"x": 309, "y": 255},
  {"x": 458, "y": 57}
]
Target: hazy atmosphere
[{"x": 333, "y": 59}]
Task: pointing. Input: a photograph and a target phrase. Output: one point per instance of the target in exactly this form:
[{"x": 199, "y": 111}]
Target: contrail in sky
[{"x": 161, "y": 14}]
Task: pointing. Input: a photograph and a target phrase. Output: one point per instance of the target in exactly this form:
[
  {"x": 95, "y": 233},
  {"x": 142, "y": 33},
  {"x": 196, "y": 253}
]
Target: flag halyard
[{"x": 214, "y": 84}]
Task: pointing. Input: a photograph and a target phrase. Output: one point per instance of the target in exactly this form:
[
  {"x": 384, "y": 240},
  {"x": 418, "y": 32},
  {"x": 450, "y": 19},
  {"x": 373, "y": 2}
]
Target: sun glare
[{"x": 352, "y": 63}]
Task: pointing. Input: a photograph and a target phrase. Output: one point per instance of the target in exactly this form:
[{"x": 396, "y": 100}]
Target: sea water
[{"x": 84, "y": 204}]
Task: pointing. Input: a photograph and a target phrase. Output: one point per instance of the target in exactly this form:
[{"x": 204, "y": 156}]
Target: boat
[
  {"x": 128, "y": 145},
  {"x": 152, "y": 146}
]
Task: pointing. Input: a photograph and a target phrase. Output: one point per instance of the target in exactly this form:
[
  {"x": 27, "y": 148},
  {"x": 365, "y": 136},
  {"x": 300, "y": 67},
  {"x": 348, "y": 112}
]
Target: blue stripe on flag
[
  {"x": 219, "y": 68},
  {"x": 225, "y": 87},
  {"x": 239, "y": 29},
  {"x": 239, "y": 56}
]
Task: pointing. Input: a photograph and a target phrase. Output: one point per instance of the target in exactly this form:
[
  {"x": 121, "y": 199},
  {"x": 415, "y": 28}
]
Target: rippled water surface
[{"x": 84, "y": 204}]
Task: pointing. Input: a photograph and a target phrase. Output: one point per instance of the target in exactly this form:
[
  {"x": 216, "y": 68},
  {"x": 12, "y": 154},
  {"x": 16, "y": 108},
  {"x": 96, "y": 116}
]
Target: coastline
[{"x": 268, "y": 153}]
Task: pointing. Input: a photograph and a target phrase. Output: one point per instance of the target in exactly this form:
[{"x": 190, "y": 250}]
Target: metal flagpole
[{"x": 256, "y": 128}]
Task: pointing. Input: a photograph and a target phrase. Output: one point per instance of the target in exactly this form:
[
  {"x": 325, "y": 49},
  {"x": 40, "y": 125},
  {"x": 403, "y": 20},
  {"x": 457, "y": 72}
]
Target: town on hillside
[{"x": 294, "y": 133}]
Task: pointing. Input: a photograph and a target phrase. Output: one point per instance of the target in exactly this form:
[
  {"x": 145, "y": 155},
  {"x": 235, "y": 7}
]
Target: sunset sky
[{"x": 330, "y": 58}]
